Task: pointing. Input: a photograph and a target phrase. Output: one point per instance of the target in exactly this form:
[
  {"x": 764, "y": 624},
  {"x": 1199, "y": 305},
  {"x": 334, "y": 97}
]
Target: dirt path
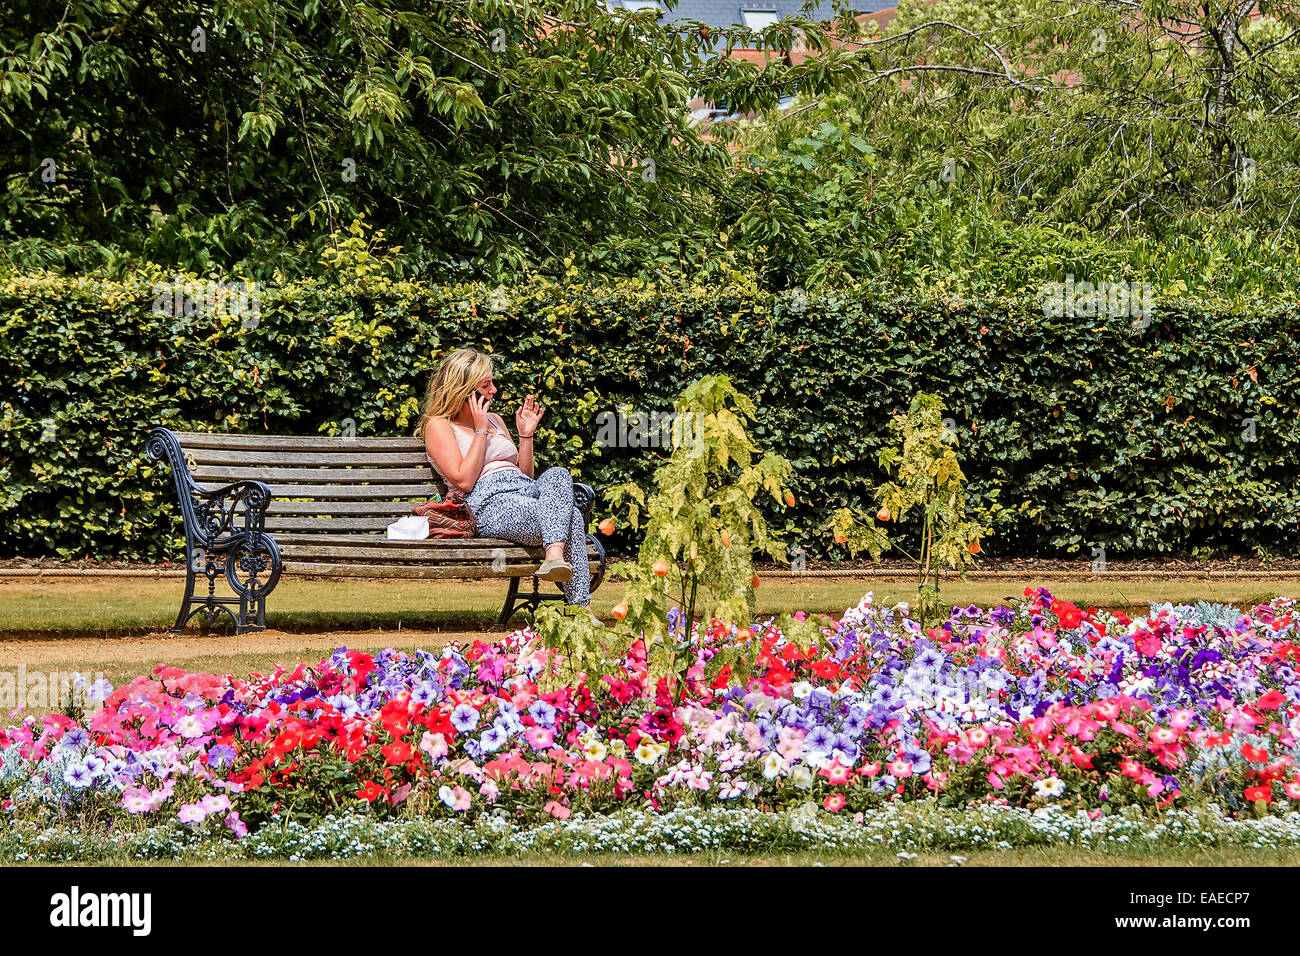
[{"x": 150, "y": 649}]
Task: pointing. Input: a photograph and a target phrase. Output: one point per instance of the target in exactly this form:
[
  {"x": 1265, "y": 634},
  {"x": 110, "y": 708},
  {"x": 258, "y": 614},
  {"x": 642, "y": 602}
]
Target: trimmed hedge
[{"x": 1074, "y": 432}]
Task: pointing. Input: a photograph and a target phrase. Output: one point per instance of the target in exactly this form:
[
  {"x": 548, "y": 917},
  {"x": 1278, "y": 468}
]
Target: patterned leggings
[{"x": 508, "y": 504}]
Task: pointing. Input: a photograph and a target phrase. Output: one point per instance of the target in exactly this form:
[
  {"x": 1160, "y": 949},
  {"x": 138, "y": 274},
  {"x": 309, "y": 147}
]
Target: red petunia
[
  {"x": 1254, "y": 754},
  {"x": 372, "y": 791},
  {"x": 399, "y": 751},
  {"x": 1271, "y": 701},
  {"x": 826, "y": 670},
  {"x": 1263, "y": 792}
]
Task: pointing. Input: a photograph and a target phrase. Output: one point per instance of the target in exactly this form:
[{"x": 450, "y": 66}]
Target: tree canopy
[{"x": 966, "y": 142}]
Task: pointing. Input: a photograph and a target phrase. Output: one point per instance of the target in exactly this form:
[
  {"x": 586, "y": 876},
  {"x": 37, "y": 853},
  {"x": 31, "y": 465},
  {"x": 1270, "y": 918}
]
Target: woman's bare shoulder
[{"x": 439, "y": 429}]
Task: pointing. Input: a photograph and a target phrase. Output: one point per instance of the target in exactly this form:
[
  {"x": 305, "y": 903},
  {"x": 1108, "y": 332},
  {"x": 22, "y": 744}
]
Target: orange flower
[
  {"x": 882, "y": 514},
  {"x": 973, "y": 547},
  {"x": 789, "y": 499},
  {"x": 660, "y": 567},
  {"x": 620, "y": 611},
  {"x": 606, "y": 527}
]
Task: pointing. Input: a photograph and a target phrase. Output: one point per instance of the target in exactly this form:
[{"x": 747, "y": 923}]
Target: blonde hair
[{"x": 456, "y": 377}]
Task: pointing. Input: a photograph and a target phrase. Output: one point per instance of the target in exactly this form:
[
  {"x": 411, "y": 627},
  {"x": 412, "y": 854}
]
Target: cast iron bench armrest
[
  {"x": 213, "y": 522},
  {"x": 209, "y": 518}
]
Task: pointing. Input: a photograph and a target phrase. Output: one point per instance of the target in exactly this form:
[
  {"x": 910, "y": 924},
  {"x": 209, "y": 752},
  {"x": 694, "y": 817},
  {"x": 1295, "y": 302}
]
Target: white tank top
[{"x": 501, "y": 451}]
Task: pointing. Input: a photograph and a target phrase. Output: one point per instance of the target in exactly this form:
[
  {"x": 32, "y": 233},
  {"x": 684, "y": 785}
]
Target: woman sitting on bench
[{"x": 471, "y": 449}]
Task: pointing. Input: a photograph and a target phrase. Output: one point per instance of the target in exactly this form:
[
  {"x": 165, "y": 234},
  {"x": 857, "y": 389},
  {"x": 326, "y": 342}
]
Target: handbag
[{"x": 448, "y": 518}]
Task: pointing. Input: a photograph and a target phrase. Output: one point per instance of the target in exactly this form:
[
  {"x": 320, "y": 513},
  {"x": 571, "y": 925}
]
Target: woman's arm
[
  {"x": 461, "y": 471},
  {"x": 525, "y": 446},
  {"x": 526, "y": 418}
]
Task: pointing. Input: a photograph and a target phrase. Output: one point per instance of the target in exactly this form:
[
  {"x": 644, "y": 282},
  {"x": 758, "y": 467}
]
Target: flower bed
[{"x": 1040, "y": 705}]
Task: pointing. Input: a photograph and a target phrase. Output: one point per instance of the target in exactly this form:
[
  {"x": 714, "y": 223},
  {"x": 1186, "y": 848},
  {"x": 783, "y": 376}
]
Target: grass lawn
[{"x": 87, "y": 607}]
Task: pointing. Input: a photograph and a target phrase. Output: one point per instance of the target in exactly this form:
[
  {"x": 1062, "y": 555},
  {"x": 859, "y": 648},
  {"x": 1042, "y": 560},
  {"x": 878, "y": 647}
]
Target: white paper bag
[{"x": 410, "y": 528}]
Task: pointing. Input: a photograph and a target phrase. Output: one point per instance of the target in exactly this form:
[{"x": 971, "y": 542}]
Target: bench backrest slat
[
  {"x": 215, "y": 440},
  {"x": 225, "y": 474},
  {"x": 347, "y": 509},
  {"x": 357, "y": 492},
  {"x": 376, "y": 524},
  {"x": 339, "y": 456}
]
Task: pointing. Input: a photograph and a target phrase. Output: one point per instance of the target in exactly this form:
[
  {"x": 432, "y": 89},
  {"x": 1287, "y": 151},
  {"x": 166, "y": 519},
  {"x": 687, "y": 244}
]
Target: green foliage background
[{"x": 1074, "y": 432}]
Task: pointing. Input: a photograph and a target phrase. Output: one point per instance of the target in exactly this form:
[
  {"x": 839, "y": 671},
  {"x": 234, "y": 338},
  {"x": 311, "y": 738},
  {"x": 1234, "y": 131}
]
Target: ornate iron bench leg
[
  {"x": 254, "y": 552},
  {"x": 535, "y": 599},
  {"x": 184, "y": 615},
  {"x": 599, "y": 576},
  {"x": 508, "y": 610}
]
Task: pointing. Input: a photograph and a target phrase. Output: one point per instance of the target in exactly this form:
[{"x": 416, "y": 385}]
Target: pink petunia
[
  {"x": 137, "y": 800},
  {"x": 215, "y": 803},
  {"x": 540, "y": 738},
  {"x": 191, "y": 813}
]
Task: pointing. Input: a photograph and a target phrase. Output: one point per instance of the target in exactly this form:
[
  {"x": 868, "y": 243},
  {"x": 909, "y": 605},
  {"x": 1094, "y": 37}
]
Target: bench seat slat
[
  {"x": 363, "y": 539},
  {"x": 280, "y": 525},
  {"x": 473, "y": 571},
  {"x": 439, "y": 552},
  {"x": 347, "y": 509}
]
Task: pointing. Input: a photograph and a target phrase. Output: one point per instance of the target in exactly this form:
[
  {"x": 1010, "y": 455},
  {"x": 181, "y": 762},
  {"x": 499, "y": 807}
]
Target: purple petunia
[
  {"x": 464, "y": 718},
  {"x": 542, "y": 712}
]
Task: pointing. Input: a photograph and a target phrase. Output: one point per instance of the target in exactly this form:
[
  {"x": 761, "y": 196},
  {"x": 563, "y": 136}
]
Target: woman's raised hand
[
  {"x": 478, "y": 406},
  {"x": 527, "y": 417}
]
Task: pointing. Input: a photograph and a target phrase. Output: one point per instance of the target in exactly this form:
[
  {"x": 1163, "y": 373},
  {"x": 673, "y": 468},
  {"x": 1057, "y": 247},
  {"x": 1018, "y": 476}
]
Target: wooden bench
[{"x": 258, "y": 506}]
